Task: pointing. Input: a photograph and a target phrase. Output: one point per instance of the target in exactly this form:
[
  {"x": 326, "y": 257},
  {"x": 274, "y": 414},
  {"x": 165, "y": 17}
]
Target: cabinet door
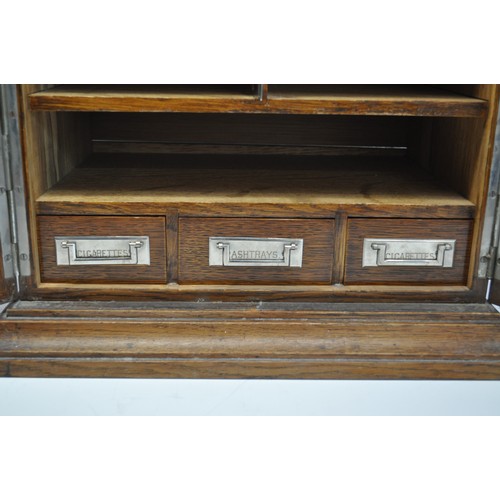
[
  {"x": 7, "y": 282},
  {"x": 15, "y": 264},
  {"x": 494, "y": 297}
]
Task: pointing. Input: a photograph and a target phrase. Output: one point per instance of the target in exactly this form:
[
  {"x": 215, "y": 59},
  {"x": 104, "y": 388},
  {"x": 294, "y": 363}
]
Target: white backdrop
[{"x": 246, "y": 397}]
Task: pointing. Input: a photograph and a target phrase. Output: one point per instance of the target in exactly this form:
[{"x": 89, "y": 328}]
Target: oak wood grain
[
  {"x": 74, "y": 226},
  {"x": 445, "y": 131},
  {"x": 281, "y": 341},
  {"x": 173, "y": 98},
  {"x": 271, "y": 293},
  {"x": 281, "y": 210},
  {"x": 235, "y": 185},
  {"x": 52, "y": 145},
  {"x": 363, "y": 95},
  {"x": 6, "y": 285},
  {"x": 315, "y": 369},
  {"x": 407, "y": 311},
  {"x": 402, "y": 100},
  {"x": 317, "y": 263},
  {"x": 359, "y": 229},
  {"x": 461, "y": 156},
  {"x": 339, "y": 248},
  {"x": 495, "y": 290},
  {"x": 172, "y": 235},
  {"x": 417, "y": 100},
  {"x": 195, "y": 336}
]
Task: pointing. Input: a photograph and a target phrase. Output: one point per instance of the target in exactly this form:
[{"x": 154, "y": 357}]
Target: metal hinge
[
  {"x": 492, "y": 257},
  {"x": 13, "y": 219},
  {"x": 488, "y": 263},
  {"x": 492, "y": 262},
  {"x": 8, "y": 238}
]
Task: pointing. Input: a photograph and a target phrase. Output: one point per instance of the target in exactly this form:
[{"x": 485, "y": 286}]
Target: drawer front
[
  {"x": 94, "y": 249},
  {"x": 255, "y": 251},
  {"x": 408, "y": 251}
]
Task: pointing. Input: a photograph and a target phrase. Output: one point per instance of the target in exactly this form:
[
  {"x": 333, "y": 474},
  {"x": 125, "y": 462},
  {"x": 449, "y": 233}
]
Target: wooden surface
[
  {"x": 358, "y": 229},
  {"x": 250, "y": 186},
  {"x": 339, "y": 248},
  {"x": 327, "y": 338},
  {"x": 317, "y": 263},
  {"x": 318, "y": 369},
  {"x": 237, "y": 310},
  {"x": 271, "y": 293},
  {"x": 495, "y": 291},
  {"x": 52, "y": 145},
  {"x": 52, "y": 226},
  {"x": 460, "y": 149},
  {"x": 402, "y": 100},
  {"x": 172, "y": 221},
  {"x": 397, "y": 100},
  {"x": 7, "y": 287},
  {"x": 461, "y": 155},
  {"x": 253, "y": 340},
  {"x": 185, "y": 98}
]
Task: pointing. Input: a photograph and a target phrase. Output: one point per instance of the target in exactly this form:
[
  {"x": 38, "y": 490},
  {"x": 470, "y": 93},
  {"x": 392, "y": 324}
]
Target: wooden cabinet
[{"x": 256, "y": 230}]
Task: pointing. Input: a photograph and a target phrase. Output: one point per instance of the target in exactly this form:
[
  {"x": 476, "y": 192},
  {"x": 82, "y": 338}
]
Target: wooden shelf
[
  {"x": 396, "y": 100},
  {"x": 186, "y": 98},
  {"x": 254, "y": 185},
  {"x": 391, "y": 100}
]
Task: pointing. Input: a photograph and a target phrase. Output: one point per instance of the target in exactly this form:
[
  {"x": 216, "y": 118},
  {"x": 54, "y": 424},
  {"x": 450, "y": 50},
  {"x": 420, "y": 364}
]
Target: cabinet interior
[
  {"x": 368, "y": 202},
  {"x": 258, "y": 151},
  {"x": 266, "y": 156}
]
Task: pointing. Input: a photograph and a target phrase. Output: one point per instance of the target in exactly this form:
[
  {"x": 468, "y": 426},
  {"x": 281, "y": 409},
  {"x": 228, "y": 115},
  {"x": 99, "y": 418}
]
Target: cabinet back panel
[{"x": 252, "y": 129}]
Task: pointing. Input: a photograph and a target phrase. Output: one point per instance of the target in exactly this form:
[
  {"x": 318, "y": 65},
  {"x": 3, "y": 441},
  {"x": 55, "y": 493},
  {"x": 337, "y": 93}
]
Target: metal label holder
[
  {"x": 408, "y": 252},
  {"x": 255, "y": 252},
  {"x": 97, "y": 250}
]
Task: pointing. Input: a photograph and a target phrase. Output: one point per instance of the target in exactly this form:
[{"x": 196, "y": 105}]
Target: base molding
[
  {"x": 248, "y": 340},
  {"x": 315, "y": 369}
]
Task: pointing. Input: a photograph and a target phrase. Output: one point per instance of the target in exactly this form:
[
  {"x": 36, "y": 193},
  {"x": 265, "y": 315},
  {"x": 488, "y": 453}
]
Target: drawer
[
  {"x": 255, "y": 251},
  {"x": 408, "y": 251},
  {"x": 95, "y": 249}
]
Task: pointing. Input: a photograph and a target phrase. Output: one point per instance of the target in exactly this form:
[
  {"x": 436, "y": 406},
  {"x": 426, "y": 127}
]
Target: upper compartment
[
  {"x": 267, "y": 150},
  {"x": 389, "y": 100}
]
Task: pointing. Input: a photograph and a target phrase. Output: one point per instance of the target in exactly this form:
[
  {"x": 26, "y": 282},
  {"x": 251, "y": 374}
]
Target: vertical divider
[
  {"x": 262, "y": 92},
  {"x": 339, "y": 248},
  {"x": 172, "y": 225}
]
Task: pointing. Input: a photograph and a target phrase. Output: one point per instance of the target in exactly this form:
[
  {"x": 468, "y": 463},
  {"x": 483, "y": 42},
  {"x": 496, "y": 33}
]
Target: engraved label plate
[
  {"x": 377, "y": 252},
  {"x": 279, "y": 252},
  {"x": 102, "y": 250}
]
